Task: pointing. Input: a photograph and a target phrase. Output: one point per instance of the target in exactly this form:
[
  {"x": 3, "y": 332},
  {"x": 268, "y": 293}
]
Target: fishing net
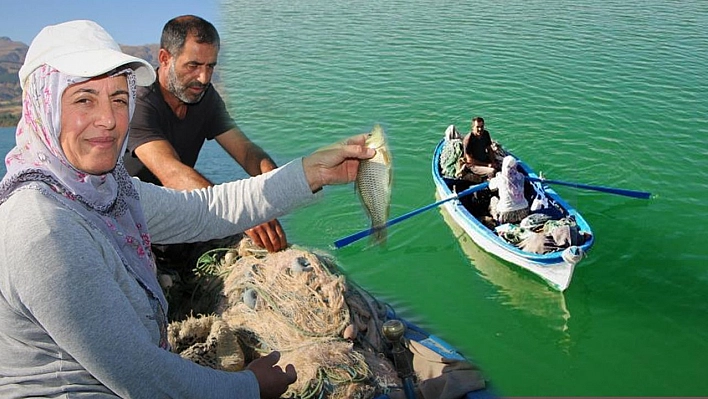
[{"x": 297, "y": 302}]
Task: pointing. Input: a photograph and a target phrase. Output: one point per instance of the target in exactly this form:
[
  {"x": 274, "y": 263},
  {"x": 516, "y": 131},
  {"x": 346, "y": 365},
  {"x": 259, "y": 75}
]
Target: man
[
  {"x": 172, "y": 119},
  {"x": 478, "y": 157},
  {"x": 181, "y": 110}
]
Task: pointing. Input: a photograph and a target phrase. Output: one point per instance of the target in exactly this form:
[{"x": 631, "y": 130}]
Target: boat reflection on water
[{"x": 518, "y": 288}]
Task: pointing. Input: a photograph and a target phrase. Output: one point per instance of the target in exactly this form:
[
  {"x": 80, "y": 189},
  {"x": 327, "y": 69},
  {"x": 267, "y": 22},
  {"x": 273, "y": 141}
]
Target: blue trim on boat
[
  {"x": 541, "y": 259},
  {"x": 439, "y": 346}
]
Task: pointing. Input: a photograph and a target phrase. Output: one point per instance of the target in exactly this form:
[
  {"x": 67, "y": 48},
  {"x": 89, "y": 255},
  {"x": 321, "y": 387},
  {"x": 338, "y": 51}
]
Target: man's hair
[
  {"x": 178, "y": 29},
  {"x": 478, "y": 119}
]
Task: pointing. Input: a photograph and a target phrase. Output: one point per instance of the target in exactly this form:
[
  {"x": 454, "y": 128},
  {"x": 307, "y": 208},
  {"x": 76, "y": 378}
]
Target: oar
[
  {"x": 618, "y": 191},
  {"x": 364, "y": 233}
]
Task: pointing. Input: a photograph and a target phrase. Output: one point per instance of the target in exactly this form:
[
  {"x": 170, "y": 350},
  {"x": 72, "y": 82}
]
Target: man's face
[
  {"x": 477, "y": 127},
  {"x": 189, "y": 74}
]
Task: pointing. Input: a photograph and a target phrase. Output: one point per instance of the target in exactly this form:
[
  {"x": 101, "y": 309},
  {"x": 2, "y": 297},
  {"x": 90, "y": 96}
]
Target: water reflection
[{"x": 517, "y": 288}]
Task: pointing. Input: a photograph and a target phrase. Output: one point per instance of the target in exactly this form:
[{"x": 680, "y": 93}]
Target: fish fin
[{"x": 380, "y": 235}]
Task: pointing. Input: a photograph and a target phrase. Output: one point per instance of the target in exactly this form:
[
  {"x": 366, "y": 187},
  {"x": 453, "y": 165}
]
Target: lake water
[{"x": 611, "y": 93}]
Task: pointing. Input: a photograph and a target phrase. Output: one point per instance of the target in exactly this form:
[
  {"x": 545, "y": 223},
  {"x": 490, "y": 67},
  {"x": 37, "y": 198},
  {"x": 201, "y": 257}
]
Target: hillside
[{"x": 12, "y": 55}]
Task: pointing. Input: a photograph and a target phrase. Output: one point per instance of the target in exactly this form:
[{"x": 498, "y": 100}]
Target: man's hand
[
  {"x": 272, "y": 380},
  {"x": 269, "y": 235}
]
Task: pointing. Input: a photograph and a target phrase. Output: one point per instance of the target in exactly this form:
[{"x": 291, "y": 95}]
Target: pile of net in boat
[
  {"x": 293, "y": 301},
  {"x": 298, "y": 303}
]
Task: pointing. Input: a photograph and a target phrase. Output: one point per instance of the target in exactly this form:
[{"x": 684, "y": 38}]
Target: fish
[{"x": 373, "y": 183}]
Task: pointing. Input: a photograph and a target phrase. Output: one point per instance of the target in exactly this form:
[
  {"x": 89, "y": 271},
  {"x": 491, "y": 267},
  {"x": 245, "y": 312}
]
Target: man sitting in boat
[
  {"x": 479, "y": 161},
  {"x": 451, "y": 153},
  {"x": 510, "y": 206}
]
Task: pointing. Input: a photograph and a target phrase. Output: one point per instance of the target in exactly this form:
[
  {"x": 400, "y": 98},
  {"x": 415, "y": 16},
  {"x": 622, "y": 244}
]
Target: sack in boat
[{"x": 534, "y": 221}]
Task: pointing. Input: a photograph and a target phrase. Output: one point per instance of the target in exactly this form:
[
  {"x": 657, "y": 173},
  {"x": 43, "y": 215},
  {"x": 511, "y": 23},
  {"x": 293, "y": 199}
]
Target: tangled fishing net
[{"x": 293, "y": 301}]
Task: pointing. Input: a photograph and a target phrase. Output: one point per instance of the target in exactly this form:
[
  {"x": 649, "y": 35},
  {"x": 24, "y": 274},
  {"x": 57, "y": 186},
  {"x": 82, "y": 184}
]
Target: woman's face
[{"x": 94, "y": 123}]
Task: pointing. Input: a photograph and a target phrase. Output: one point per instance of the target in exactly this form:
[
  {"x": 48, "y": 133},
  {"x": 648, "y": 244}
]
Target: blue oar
[
  {"x": 618, "y": 191},
  {"x": 364, "y": 233}
]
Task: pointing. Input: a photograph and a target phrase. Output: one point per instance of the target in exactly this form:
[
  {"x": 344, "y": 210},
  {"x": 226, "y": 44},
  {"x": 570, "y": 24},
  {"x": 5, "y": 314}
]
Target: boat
[
  {"x": 555, "y": 268},
  {"x": 415, "y": 336}
]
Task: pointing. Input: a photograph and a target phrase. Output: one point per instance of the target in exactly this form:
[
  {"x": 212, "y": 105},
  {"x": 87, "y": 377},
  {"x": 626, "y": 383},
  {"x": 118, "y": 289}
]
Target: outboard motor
[{"x": 393, "y": 330}]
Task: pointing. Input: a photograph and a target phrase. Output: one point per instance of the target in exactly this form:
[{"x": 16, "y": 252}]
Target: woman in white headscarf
[
  {"x": 451, "y": 153},
  {"x": 510, "y": 206},
  {"x": 81, "y": 310}
]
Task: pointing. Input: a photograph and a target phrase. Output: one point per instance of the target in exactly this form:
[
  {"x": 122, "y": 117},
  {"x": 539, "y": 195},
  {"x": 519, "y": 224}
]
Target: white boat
[{"x": 556, "y": 268}]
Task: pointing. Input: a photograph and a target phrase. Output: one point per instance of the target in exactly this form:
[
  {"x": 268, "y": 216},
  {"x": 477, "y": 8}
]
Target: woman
[
  {"x": 81, "y": 311},
  {"x": 451, "y": 154},
  {"x": 510, "y": 206}
]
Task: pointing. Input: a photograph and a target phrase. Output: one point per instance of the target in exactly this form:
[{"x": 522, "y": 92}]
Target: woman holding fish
[{"x": 82, "y": 313}]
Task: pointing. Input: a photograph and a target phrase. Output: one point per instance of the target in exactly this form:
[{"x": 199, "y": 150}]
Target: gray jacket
[{"x": 75, "y": 324}]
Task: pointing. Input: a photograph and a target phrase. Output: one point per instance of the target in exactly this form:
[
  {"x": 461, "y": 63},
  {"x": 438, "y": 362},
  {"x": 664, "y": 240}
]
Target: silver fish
[{"x": 373, "y": 183}]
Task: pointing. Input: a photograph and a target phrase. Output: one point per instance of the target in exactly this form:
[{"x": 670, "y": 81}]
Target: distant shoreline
[
  {"x": 12, "y": 56},
  {"x": 10, "y": 115}
]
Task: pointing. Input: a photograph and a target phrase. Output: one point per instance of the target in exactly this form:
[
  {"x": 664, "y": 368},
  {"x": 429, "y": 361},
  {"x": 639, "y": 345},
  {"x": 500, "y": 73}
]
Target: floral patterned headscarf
[{"x": 109, "y": 201}]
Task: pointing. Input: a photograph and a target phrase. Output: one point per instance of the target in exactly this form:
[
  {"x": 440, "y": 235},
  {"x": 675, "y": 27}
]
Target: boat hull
[
  {"x": 554, "y": 268},
  {"x": 441, "y": 348}
]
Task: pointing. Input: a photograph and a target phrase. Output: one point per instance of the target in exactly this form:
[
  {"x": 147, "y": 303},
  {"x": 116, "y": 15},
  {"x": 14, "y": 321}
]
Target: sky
[{"x": 131, "y": 22}]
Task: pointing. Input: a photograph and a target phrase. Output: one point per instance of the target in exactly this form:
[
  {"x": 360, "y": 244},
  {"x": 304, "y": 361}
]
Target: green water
[{"x": 611, "y": 93}]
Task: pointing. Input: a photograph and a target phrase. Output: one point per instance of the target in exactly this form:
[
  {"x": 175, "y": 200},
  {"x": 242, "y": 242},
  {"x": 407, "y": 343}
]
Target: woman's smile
[{"x": 95, "y": 117}]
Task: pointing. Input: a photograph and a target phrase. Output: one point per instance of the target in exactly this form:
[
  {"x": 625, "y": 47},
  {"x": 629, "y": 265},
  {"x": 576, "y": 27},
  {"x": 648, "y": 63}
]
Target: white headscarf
[
  {"x": 513, "y": 182},
  {"x": 109, "y": 201},
  {"x": 452, "y": 133}
]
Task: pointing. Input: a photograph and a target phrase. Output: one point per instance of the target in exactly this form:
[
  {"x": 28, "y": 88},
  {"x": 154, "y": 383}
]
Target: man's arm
[
  {"x": 491, "y": 155},
  {"x": 254, "y": 161},
  {"x": 492, "y": 158},
  {"x": 162, "y": 160},
  {"x": 466, "y": 157},
  {"x": 248, "y": 154}
]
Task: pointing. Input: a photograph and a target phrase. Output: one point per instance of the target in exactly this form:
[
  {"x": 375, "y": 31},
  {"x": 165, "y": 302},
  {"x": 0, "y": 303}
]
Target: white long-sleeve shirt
[
  {"x": 511, "y": 196},
  {"x": 75, "y": 324}
]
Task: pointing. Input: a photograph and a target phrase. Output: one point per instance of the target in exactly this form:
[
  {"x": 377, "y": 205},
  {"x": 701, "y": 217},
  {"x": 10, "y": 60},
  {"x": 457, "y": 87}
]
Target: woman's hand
[
  {"x": 272, "y": 380},
  {"x": 336, "y": 164}
]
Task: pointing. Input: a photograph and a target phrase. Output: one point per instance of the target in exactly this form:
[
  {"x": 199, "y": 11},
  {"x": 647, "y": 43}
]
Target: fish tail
[{"x": 380, "y": 234}]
